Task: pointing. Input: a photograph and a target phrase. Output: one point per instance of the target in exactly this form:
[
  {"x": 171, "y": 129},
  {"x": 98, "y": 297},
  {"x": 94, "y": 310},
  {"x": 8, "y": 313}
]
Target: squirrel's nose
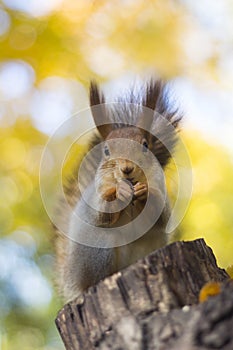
[{"x": 127, "y": 169}]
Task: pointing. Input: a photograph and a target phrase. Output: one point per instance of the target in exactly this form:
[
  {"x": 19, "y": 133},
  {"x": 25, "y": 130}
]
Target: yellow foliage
[
  {"x": 103, "y": 38},
  {"x": 209, "y": 214},
  {"x": 230, "y": 271}
]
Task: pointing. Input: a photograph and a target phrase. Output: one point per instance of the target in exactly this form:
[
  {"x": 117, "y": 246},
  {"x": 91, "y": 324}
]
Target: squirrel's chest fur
[
  {"x": 129, "y": 213},
  {"x": 153, "y": 239}
]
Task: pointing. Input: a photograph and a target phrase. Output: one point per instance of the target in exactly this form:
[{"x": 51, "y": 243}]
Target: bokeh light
[
  {"x": 23, "y": 276},
  {"x": 54, "y": 101},
  {"x": 33, "y": 7},
  {"x": 16, "y": 79},
  {"x": 5, "y": 22}
]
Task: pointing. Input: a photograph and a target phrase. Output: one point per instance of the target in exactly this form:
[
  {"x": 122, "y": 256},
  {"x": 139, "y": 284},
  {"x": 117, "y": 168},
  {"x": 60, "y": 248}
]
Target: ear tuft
[
  {"x": 96, "y": 96},
  {"x": 151, "y": 99},
  {"x": 99, "y": 111},
  {"x": 154, "y": 90}
]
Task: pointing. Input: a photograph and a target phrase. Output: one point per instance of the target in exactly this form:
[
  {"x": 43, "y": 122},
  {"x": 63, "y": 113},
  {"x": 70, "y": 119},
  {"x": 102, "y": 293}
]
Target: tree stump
[{"x": 153, "y": 304}]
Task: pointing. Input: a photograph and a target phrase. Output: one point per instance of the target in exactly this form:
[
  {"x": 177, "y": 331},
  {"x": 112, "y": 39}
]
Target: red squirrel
[{"x": 149, "y": 126}]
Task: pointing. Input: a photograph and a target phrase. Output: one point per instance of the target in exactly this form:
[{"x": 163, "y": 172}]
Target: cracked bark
[{"x": 153, "y": 304}]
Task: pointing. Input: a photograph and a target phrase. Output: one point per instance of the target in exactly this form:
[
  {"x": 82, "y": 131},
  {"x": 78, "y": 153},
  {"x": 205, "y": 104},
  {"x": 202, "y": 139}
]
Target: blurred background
[{"x": 49, "y": 50}]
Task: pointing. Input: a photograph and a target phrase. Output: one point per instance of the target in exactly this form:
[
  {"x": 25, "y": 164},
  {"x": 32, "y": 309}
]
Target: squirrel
[{"x": 123, "y": 178}]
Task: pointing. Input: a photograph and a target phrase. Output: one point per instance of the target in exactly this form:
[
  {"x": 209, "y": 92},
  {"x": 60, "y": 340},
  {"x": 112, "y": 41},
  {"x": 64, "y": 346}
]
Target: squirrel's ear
[
  {"x": 99, "y": 111},
  {"x": 152, "y": 95},
  {"x": 154, "y": 90}
]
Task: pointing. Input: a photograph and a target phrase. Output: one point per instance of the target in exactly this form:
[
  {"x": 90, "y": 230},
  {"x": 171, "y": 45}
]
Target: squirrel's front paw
[
  {"x": 125, "y": 191},
  {"x": 109, "y": 195},
  {"x": 140, "y": 191}
]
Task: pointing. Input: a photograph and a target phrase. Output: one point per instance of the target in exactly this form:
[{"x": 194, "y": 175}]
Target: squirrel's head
[
  {"x": 126, "y": 128},
  {"x": 121, "y": 147}
]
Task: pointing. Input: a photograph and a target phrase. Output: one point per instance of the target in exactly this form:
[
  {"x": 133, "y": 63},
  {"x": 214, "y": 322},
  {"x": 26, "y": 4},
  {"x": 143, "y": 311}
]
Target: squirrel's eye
[
  {"x": 106, "y": 151},
  {"x": 145, "y": 146}
]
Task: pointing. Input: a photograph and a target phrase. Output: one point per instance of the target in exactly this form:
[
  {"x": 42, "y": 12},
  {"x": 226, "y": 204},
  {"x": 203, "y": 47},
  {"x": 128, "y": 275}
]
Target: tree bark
[{"x": 153, "y": 304}]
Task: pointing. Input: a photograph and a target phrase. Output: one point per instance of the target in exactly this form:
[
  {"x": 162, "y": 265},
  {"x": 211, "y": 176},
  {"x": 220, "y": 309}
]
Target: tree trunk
[{"x": 153, "y": 304}]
